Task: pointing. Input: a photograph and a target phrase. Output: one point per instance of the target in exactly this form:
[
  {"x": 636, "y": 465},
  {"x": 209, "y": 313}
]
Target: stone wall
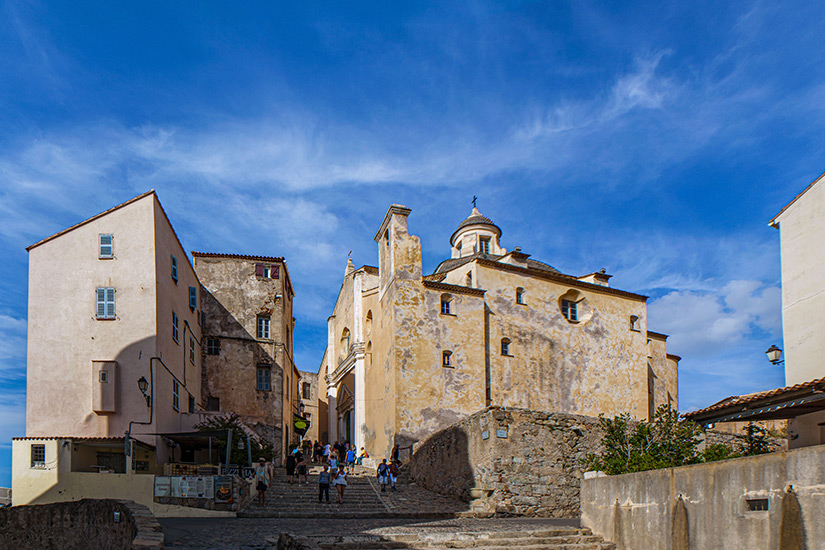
[
  {"x": 747, "y": 503},
  {"x": 531, "y": 461},
  {"x": 87, "y": 524}
]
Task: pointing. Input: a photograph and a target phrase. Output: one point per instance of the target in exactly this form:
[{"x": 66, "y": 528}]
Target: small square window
[
  {"x": 505, "y": 346},
  {"x": 263, "y": 379},
  {"x": 569, "y": 310},
  {"x": 38, "y": 456},
  {"x": 484, "y": 245},
  {"x": 105, "y": 246},
  {"x": 757, "y": 504},
  {"x": 175, "y": 330},
  {"x": 634, "y": 323},
  {"x": 213, "y": 346},
  {"x": 446, "y": 305},
  {"x": 447, "y": 359},
  {"x": 174, "y": 269},
  {"x": 175, "y": 395},
  {"x": 103, "y": 377},
  {"x": 193, "y": 298},
  {"x": 520, "y": 296}
]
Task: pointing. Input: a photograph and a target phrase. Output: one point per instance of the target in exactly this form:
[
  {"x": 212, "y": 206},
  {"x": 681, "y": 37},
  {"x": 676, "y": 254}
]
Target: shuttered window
[
  {"x": 266, "y": 271},
  {"x": 105, "y": 298},
  {"x": 193, "y": 298},
  {"x": 191, "y": 350},
  {"x": 175, "y": 395},
  {"x": 174, "y": 269},
  {"x": 105, "y": 246},
  {"x": 263, "y": 379},
  {"x": 175, "y": 330}
]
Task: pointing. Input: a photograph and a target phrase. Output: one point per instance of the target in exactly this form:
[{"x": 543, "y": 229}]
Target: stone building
[
  {"x": 309, "y": 404},
  {"x": 248, "y": 365},
  {"x": 409, "y": 354}
]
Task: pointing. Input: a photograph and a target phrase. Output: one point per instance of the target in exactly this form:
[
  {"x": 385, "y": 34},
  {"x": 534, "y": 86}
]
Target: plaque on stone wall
[
  {"x": 501, "y": 434},
  {"x": 485, "y": 434}
]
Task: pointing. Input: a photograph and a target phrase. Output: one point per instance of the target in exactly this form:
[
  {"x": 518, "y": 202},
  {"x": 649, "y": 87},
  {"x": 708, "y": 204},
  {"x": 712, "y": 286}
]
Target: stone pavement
[{"x": 258, "y": 533}]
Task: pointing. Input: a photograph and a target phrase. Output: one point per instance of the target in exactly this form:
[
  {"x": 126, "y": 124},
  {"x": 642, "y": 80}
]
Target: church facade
[{"x": 409, "y": 354}]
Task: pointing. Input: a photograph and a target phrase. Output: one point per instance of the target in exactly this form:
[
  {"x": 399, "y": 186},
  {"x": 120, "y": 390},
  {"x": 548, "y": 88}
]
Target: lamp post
[
  {"x": 774, "y": 353},
  {"x": 143, "y": 385}
]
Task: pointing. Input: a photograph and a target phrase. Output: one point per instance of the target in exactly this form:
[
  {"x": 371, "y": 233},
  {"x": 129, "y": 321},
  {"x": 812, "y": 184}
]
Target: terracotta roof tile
[{"x": 738, "y": 400}]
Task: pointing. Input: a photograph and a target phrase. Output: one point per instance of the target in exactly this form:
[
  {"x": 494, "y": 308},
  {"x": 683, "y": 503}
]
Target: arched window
[
  {"x": 574, "y": 307},
  {"x": 469, "y": 279},
  {"x": 446, "y": 359},
  {"x": 368, "y": 322},
  {"x": 505, "y": 346},
  {"x": 446, "y": 304},
  {"x": 520, "y": 296},
  {"x": 634, "y": 322},
  {"x": 345, "y": 343}
]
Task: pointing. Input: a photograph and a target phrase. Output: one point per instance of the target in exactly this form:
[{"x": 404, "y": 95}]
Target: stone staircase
[
  {"x": 362, "y": 499},
  {"x": 557, "y": 538}
]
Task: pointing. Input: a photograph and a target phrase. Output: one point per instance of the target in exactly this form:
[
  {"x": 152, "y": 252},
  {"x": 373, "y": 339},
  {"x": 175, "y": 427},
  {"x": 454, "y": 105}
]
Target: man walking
[
  {"x": 263, "y": 477},
  {"x": 323, "y": 484},
  {"x": 383, "y": 472}
]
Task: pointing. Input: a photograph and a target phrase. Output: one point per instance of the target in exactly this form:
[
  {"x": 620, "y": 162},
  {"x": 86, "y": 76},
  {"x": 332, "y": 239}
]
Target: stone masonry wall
[
  {"x": 531, "y": 461},
  {"x": 86, "y": 524}
]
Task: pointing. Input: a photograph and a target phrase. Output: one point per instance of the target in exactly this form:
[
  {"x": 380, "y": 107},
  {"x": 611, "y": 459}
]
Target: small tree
[
  {"x": 756, "y": 440},
  {"x": 231, "y": 421},
  {"x": 629, "y": 446}
]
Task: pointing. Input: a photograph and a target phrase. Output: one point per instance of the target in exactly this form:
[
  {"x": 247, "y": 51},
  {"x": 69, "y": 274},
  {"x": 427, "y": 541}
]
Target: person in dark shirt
[
  {"x": 290, "y": 466},
  {"x": 323, "y": 484}
]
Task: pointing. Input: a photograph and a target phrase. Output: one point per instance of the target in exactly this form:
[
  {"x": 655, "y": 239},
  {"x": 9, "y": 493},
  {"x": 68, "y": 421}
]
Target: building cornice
[
  {"x": 399, "y": 209},
  {"x": 774, "y": 221},
  {"x": 457, "y": 289},
  {"x": 560, "y": 278}
]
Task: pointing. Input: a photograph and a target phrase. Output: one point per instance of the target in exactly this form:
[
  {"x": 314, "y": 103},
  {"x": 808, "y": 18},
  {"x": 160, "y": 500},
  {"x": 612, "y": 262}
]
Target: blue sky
[{"x": 654, "y": 140}]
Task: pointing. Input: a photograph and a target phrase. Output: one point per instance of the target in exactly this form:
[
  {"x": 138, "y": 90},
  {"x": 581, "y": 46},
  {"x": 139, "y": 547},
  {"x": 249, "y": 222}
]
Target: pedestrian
[
  {"x": 351, "y": 460},
  {"x": 361, "y": 457},
  {"x": 326, "y": 452},
  {"x": 383, "y": 471},
  {"x": 333, "y": 465},
  {"x": 301, "y": 467},
  {"x": 317, "y": 450},
  {"x": 290, "y": 466},
  {"x": 393, "y": 471},
  {"x": 323, "y": 484},
  {"x": 263, "y": 477},
  {"x": 394, "y": 454},
  {"x": 340, "y": 483}
]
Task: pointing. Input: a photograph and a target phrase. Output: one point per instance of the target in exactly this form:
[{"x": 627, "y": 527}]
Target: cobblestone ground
[{"x": 252, "y": 533}]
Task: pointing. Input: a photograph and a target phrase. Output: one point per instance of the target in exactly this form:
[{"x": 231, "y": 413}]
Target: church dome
[{"x": 477, "y": 221}]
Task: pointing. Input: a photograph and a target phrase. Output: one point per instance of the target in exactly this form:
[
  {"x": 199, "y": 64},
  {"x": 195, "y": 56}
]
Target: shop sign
[{"x": 223, "y": 489}]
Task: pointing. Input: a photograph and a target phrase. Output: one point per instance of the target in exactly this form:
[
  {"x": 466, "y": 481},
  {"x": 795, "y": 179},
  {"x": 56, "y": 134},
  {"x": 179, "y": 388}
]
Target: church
[{"x": 409, "y": 354}]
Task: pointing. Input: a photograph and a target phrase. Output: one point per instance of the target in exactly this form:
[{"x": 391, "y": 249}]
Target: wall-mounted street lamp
[
  {"x": 774, "y": 353},
  {"x": 301, "y": 408},
  {"x": 143, "y": 385}
]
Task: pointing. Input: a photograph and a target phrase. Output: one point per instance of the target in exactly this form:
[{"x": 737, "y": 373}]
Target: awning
[{"x": 194, "y": 440}]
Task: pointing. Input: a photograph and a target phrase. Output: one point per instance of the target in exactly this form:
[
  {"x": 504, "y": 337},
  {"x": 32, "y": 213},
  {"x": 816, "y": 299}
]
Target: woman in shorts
[{"x": 340, "y": 483}]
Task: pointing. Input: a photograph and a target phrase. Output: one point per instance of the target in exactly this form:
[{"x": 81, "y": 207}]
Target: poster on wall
[
  {"x": 223, "y": 489},
  {"x": 163, "y": 486},
  {"x": 196, "y": 487}
]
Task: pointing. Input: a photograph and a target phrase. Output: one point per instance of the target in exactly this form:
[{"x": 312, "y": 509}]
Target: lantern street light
[
  {"x": 774, "y": 353},
  {"x": 143, "y": 385}
]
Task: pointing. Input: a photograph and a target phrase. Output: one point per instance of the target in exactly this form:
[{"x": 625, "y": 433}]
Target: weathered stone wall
[
  {"x": 636, "y": 511},
  {"x": 535, "y": 470},
  {"x": 87, "y": 524},
  {"x": 241, "y": 495},
  {"x": 737, "y": 441}
]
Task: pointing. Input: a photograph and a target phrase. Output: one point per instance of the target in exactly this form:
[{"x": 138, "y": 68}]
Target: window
[
  {"x": 175, "y": 331},
  {"x": 263, "y": 379},
  {"x": 263, "y": 326},
  {"x": 105, "y": 246},
  {"x": 469, "y": 280},
  {"x": 387, "y": 236},
  {"x": 484, "y": 245},
  {"x": 175, "y": 395},
  {"x": 306, "y": 390},
  {"x": 569, "y": 310},
  {"x": 505, "y": 346},
  {"x": 266, "y": 271},
  {"x": 174, "y": 269},
  {"x": 193, "y": 298},
  {"x": 38, "y": 456},
  {"x": 103, "y": 377},
  {"x": 191, "y": 403},
  {"x": 520, "y": 296},
  {"x": 757, "y": 504},
  {"x": 105, "y": 298},
  {"x": 213, "y": 346},
  {"x": 191, "y": 350},
  {"x": 446, "y": 300},
  {"x": 634, "y": 323},
  {"x": 446, "y": 359}
]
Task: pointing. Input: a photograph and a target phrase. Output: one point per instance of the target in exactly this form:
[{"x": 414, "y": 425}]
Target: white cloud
[
  {"x": 708, "y": 323},
  {"x": 13, "y": 350}
]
